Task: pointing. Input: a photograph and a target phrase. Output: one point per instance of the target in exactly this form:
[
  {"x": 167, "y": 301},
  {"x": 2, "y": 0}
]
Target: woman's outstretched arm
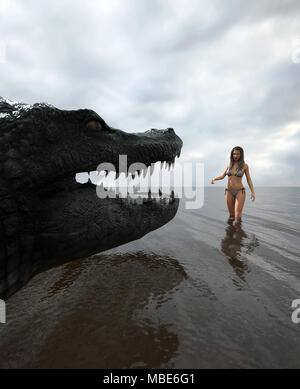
[
  {"x": 247, "y": 172},
  {"x": 220, "y": 177}
]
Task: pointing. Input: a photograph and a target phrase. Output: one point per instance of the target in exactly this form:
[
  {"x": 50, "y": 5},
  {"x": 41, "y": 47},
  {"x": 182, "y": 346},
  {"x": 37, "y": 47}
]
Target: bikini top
[{"x": 238, "y": 173}]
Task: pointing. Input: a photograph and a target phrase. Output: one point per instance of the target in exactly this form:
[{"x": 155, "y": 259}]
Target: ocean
[{"x": 198, "y": 292}]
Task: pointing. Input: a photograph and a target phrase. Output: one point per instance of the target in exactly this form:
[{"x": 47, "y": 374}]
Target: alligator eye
[{"x": 94, "y": 125}]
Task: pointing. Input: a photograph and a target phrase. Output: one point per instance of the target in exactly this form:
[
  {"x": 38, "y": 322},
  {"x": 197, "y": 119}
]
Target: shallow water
[{"x": 196, "y": 293}]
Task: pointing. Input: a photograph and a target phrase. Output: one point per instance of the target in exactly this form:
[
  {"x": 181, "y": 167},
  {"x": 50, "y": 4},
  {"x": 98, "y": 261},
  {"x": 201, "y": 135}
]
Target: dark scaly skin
[{"x": 46, "y": 217}]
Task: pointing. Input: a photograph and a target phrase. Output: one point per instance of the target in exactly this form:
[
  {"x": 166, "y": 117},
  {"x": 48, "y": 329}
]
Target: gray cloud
[{"x": 220, "y": 73}]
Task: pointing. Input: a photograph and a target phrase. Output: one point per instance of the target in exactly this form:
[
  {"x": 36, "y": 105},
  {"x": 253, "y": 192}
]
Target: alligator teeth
[
  {"x": 97, "y": 175},
  {"x": 152, "y": 168},
  {"x": 94, "y": 177},
  {"x": 82, "y": 178}
]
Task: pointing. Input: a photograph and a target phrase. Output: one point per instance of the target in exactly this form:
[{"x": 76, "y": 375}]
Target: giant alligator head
[{"x": 46, "y": 217}]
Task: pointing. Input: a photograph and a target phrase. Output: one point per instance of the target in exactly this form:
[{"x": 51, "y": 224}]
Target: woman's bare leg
[
  {"x": 239, "y": 204},
  {"x": 230, "y": 203}
]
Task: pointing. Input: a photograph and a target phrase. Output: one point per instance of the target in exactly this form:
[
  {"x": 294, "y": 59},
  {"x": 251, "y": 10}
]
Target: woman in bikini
[{"x": 235, "y": 192}]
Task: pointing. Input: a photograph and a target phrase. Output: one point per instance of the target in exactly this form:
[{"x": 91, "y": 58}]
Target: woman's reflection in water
[{"x": 232, "y": 246}]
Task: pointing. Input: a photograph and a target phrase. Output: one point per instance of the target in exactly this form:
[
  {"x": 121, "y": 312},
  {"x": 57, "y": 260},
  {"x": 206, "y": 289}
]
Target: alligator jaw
[{"x": 79, "y": 224}]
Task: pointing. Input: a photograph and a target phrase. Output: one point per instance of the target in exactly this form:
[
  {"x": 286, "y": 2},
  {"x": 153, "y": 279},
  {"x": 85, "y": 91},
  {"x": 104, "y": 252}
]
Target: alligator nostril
[{"x": 171, "y": 130}]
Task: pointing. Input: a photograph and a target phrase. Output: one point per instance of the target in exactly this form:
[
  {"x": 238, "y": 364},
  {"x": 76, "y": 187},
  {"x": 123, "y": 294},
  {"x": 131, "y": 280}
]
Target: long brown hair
[{"x": 241, "y": 161}]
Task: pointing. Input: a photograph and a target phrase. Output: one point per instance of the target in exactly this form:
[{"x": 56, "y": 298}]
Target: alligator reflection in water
[
  {"x": 100, "y": 313},
  {"x": 234, "y": 245}
]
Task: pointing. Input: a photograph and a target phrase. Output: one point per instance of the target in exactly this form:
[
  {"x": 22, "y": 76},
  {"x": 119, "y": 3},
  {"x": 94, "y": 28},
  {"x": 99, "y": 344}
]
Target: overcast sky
[{"x": 221, "y": 73}]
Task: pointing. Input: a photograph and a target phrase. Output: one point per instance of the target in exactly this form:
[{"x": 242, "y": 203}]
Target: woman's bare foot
[
  {"x": 237, "y": 220},
  {"x": 230, "y": 219}
]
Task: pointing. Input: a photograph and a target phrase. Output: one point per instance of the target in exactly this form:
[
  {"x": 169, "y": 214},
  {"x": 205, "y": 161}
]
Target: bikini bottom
[{"x": 234, "y": 191}]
